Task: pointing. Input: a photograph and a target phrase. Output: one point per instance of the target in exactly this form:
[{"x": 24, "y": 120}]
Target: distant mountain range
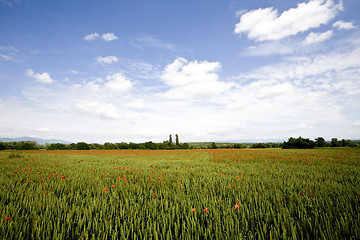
[{"x": 38, "y": 140}]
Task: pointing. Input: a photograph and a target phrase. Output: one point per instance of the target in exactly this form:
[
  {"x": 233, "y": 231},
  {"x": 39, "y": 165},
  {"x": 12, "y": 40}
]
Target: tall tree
[
  {"x": 170, "y": 140},
  {"x": 177, "y": 139}
]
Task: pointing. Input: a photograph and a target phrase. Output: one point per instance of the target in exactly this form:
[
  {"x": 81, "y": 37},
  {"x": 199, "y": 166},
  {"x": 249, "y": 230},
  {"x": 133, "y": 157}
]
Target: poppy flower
[
  {"x": 105, "y": 190},
  {"x": 6, "y": 219},
  {"x": 238, "y": 201},
  {"x": 236, "y": 206},
  {"x": 193, "y": 210},
  {"x": 113, "y": 186},
  {"x": 63, "y": 176},
  {"x": 310, "y": 196},
  {"x": 206, "y": 210}
]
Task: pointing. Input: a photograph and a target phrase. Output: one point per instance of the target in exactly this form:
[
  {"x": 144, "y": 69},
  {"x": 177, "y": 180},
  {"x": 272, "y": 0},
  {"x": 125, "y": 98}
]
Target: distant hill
[{"x": 38, "y": 140}]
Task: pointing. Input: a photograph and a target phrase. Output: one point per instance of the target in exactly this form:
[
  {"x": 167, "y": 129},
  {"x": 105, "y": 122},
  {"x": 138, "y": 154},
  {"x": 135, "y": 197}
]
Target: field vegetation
[{"x": 181, "y": 194}]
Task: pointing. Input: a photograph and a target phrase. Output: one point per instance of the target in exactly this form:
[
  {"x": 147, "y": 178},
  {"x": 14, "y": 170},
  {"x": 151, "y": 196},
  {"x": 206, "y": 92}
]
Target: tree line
[
  {"x": 304, "y": 143},
  {"x": 299, "y": 142}
]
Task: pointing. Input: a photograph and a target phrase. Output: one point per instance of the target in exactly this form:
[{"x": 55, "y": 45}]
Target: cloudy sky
[{"x": 208, "y": 70}]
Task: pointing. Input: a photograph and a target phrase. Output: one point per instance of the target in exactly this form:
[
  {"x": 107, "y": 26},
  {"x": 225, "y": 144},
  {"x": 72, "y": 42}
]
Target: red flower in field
[
  {"x": 310, "y": 196},
  {"x": 238, "y": 201},
  {"x": 236, "y": 206},
  {"x": 206, "y": 210},
  {"x": 105, "y": 190},
  {"x": 301, "y": 194},
  {"x": 47, "y": 192},
  {"x": 234, "y": 186},
  {"x": 29, "y": 180},
  {"x": 113, "y": 186},
  {"x": 6, "y": 219},
  {"x": 63, "y": 176},
  {"x": 193, "y": 210}
]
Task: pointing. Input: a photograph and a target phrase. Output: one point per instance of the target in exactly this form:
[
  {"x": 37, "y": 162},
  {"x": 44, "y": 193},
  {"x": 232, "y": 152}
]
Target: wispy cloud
[
  {"x": 107, "y": 60},
  {"x": 266, "y": 24},
  {"x": 10, "y": 54},
  {"x": 147, "y": 40},
  {"x": 10, "y": 2},
  {"x": 106, "y": 37}
]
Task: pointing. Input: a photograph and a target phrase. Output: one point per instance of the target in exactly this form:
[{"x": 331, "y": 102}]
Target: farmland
[{"x": 180, "y": 194}]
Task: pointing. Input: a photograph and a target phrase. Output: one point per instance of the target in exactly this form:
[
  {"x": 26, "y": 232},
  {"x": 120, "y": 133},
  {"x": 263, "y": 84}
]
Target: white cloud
[
  {"x": 193, "y": 79},
  {"x": 98, "y": 109},
  {"x": 91, "y": 36},
  {"x": 109, "y": 37},
  {"x": 106, "y": 37},
  {"x": 117, "y": 84},
  {"x": 266, "y": 24},
  {"x": 341, "y": 25},
  {"x": 318, "y": 37},
  {"x": 107, "y": 60},
  {"x": 40, "y": 77}
]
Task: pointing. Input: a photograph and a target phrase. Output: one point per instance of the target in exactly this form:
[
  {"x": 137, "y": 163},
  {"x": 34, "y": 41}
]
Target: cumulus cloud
[
  {"x": 318, "y": 37},
  {"x": 40, "y": 77},
  {"x": 109, "y": 37},
  {"x": 91, "y": 36},
  {"x": 193, "y": 79},
  {"x": 107, "y": 60},
  {"x": 341, "y": 25},
  {"x": 266, "y": 24}
]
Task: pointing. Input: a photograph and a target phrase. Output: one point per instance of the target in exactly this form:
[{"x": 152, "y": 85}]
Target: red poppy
[
  {"x": 206, "y": 210},
  {"x": 193, "y": 210},
  {"x": 238, "y": 201},
  {"x": 6, "y": 219},
  {"x": 113, "y": 186},
  {"x": 310, "y": 196},
  {"x": 105, "y": 190},
  {"x": 236, "y": 206},
  {"x": 63, "y": 176}
]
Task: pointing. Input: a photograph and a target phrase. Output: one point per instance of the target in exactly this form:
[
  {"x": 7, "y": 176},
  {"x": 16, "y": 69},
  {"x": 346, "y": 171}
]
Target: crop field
[{"x": 183, "y": 194}]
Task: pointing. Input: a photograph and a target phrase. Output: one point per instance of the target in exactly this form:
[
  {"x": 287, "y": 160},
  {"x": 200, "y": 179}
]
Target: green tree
[
  {"x": 320, "y": 142},
  {"x": 82, "y": 146},
  {"x": 177, "y": 140},
  {"x": 170, "y": 140},
  {"x": 299, "y": 142},
  {"x": 335, "y": 143}
]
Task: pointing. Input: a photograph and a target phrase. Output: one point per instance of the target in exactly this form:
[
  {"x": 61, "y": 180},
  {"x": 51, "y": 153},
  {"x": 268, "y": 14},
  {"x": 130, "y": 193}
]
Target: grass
[{"x": 131, "y": 194}]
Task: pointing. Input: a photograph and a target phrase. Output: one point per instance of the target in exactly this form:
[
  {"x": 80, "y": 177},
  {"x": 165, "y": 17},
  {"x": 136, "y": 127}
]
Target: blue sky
[{"x": 99, "y": 71}]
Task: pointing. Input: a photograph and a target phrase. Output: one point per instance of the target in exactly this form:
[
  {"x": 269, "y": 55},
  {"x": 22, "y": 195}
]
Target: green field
[{"x": 184, "y": 194}]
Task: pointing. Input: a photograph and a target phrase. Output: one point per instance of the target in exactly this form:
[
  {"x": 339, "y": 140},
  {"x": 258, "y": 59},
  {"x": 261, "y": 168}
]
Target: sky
[{"x": 207, "y": 70}]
